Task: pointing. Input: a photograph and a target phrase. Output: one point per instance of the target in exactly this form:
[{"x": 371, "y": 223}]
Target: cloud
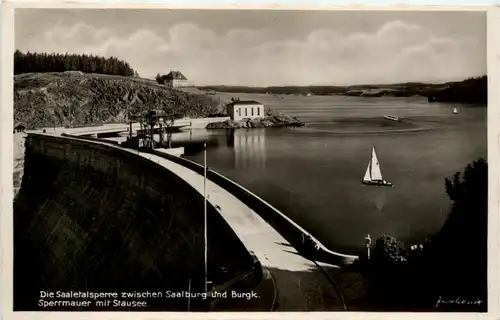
[{"x": 397, "y": 51}]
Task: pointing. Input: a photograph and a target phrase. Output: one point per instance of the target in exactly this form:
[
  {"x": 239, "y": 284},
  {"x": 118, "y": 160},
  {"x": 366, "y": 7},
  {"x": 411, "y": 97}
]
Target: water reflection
[
  {"x": 249, "y": 148},
  {"x": 192, "y": 140},
  {"x": 244, "y": 148}
]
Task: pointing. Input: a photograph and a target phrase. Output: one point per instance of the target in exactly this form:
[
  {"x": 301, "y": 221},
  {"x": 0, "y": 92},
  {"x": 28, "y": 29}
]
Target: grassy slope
[{"x": 47, "y": 99}]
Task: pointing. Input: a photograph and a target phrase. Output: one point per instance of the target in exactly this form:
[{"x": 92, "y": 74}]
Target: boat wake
[{"x": 371, "y": 126}]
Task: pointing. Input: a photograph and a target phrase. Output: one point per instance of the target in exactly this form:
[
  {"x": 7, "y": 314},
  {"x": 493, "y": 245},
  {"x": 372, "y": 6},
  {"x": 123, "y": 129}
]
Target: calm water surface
[{"x": 313, "y": 174}]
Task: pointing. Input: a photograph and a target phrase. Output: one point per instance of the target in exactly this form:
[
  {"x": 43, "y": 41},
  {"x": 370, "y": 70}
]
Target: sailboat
[
  {"x": 455, "y": 111},
  {"x": 373, "y": 174}
]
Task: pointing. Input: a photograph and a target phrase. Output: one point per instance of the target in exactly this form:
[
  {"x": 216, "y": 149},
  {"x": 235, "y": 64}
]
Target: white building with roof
[
  {"x": 245, "y": 109},
  {"x": 175, "y": 79}
]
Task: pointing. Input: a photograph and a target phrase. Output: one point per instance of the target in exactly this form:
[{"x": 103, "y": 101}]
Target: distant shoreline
[{"x": 472, "y": 90}]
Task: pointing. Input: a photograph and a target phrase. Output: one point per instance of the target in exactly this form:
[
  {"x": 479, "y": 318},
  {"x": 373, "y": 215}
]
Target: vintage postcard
[{"x": 251, "y": 160}]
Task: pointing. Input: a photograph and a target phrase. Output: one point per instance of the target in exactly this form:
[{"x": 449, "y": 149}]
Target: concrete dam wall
[{"x": 93, "y": 217}]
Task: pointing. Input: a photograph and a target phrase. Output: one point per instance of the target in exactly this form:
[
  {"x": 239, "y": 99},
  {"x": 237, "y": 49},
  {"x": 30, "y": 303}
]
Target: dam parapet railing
[{"x": 288, "y": 228}]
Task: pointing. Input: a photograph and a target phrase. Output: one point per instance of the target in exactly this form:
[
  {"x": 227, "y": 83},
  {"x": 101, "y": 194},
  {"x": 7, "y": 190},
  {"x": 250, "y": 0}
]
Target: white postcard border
[{"x": 6, "y": 195}]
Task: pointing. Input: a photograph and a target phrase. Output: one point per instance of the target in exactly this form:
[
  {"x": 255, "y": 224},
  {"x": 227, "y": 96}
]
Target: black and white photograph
[{"x": 250, "y": 160}]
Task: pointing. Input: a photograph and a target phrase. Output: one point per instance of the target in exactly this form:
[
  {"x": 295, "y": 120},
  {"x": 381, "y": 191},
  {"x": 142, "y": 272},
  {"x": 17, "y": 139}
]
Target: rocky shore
[{"x": 272, "y": 119}]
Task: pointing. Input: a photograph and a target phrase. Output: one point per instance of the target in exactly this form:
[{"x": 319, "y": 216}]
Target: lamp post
[
  {"x": 368, "y": 242},
  {"x": 189, "y": 297},
  {"x": 205, "y": 210}
]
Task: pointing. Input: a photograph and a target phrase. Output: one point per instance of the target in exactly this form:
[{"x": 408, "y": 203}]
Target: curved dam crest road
[{"x": 301, "y": 284}]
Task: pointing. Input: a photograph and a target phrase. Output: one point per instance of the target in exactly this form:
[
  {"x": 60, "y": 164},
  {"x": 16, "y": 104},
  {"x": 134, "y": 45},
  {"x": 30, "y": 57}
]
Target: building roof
[
  {"x": 237, "y": 102},
  {"x": 19, "y": 124},
  {"x": 175, "y": 75}
]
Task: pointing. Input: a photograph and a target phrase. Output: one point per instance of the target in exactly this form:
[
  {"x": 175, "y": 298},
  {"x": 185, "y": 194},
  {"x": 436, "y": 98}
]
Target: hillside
[{"x": 56, "y": 99}]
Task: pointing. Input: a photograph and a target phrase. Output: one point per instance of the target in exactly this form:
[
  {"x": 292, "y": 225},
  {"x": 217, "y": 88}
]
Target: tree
[
  {"x": 159, "y": 78},
  {"x": 459, "y": 250},
  {"x": 454, "y": 262}
]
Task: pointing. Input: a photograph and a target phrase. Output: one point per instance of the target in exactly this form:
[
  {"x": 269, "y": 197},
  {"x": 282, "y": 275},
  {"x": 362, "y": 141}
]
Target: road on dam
[{"x": 300, "y": 283}]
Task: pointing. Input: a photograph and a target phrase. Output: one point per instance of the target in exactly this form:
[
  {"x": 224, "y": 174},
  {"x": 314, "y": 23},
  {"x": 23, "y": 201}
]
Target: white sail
[
  {"x": 367, "y": 173},
  {"x": 375, "y": 172}
]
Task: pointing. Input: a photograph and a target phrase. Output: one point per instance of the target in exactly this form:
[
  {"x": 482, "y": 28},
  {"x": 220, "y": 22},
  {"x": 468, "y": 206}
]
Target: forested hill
[
  {"x": 53, "y": 62},
  {"x": 473, "y": 90},
  {"x": 62, "y": 89}
]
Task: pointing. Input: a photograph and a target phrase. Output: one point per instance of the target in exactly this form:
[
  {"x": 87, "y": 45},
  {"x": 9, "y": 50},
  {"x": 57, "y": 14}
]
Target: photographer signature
[{"x": 440, "y": 301}]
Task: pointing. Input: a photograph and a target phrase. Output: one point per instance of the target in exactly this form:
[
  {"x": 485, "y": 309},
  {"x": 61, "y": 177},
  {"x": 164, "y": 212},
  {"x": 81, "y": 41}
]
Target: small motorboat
[
  {"x": 455, "y": 111},
  {"x": 373, "y": 174},
  {"x": 392, "y": 118}
]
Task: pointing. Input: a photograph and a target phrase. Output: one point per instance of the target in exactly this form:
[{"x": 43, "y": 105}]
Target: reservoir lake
[{"x": 313, "y": 174}]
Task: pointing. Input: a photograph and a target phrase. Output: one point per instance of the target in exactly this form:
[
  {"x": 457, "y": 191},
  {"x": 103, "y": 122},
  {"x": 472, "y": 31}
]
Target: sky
[{"x": 268, "y": 47}]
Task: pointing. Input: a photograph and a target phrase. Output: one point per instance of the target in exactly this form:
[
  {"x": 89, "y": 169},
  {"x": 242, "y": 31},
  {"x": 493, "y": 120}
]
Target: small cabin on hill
[
  {"x": 175, "y": 79},
  {"x": 19, "y": 127},
  {"x": 244, "y": 109}
]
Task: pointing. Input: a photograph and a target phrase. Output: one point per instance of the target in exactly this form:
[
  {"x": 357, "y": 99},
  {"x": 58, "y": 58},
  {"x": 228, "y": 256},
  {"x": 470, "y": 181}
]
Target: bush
[{"x": 388, "y": 251}]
